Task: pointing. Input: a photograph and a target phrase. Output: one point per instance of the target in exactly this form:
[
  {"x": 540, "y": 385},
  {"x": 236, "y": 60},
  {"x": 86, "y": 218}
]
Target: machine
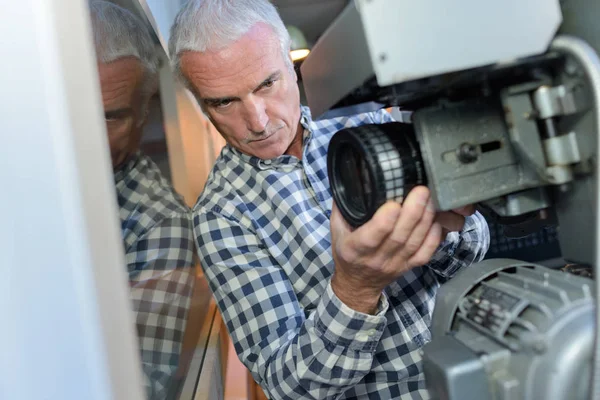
[{"x": 504, "y": 101}]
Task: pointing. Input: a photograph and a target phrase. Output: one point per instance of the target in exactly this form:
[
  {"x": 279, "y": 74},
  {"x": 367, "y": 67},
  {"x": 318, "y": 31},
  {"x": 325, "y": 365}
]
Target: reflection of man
[
  {"x": 315, "y": 309},
  {"x": 155, "y": 224}
]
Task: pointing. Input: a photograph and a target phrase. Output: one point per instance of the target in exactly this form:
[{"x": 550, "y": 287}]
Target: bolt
[
  {"x": 382, "y": 57},
  {"x": 467, "y": 153}
]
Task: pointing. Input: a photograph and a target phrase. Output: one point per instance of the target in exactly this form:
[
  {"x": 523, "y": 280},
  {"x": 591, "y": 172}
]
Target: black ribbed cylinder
[{"x": 371, "y": 164}]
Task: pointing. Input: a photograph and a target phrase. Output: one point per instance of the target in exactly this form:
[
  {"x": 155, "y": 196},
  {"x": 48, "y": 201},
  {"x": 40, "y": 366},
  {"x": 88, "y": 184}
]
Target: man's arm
[
  {"x": 161, "y": 276},
  {"x": 461, "y": 249},
  {"x": 292, "y": 353}
]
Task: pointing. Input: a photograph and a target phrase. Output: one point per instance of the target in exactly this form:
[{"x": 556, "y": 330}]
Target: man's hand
[
  {"x": 454, "y": 221},
  {"x": 396, "y": 239}
]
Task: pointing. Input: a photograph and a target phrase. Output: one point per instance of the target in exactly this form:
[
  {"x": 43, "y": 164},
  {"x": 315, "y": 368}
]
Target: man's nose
[{"x": 256, "y": 115}]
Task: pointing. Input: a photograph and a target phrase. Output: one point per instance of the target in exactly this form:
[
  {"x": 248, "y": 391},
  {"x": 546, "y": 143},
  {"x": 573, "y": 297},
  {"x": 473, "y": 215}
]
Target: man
[
  {"x": 156, "y": 225},
  {"x": 316, "y": 310}
]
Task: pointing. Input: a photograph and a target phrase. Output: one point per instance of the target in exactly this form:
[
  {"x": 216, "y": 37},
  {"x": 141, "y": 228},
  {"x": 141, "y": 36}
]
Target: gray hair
[
  {"x": 120, "y": 34},
  {"x": 203, "y": 25}
]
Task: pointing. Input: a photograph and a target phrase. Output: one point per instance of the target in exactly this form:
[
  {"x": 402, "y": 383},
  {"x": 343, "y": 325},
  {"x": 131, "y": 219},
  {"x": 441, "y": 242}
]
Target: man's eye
[
  {"x": 115, "y": 116},
  {"x": 223, "y": 104},
  {"x": 269, "y": 84}
]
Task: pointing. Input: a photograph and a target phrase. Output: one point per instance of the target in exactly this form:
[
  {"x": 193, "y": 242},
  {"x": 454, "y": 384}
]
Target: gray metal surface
[
  {"x": 553, "y": 101},
  {"x": 575, "y": 207},
  {"x": 523, "y": 129},
  {"x": 520, "y": 203},
  {"x": 531, "y": 327},
  {"x": 415, "y": 39},
  {"x": 456, "y": 369},
  {"x": 338, "y": 63},
  {"x": 580, "y": 18},
  {"x": 562, "y": 150},
  {"x": 442, "y": 130},
  {"x": 588, "y": 61},
  {"x": 394, "y": 41}
]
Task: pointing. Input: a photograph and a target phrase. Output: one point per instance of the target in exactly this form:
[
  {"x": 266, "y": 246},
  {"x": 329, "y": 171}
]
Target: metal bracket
[
  {"x": 554, "y": 101},
  {"x": 562, "y": 150}
]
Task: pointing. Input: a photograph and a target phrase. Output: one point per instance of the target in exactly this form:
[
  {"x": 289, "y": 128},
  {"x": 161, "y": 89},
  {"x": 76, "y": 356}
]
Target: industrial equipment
[{"x": 504, "y": 101}]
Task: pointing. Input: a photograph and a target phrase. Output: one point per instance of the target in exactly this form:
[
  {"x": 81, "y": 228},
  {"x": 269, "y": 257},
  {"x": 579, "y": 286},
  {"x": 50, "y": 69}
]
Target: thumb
[{"x": 337, "y": 221}]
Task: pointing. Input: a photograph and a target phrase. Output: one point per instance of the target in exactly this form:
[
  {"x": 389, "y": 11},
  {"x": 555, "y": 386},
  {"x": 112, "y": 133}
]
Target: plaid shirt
[
  {"x": 158, "y": 239},
  {"x": 262, "y": 230}
]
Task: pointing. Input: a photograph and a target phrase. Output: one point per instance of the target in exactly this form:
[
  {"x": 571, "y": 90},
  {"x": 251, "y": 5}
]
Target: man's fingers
[
  {"x": 371, "y": 235},
  {"x": 428, "y": 248},
  {"x": 408, "y": 246},
  {"x": 420, "y": 232},
  {"x": 451, "y": 221},
  {"x": 413, "y": 209}
]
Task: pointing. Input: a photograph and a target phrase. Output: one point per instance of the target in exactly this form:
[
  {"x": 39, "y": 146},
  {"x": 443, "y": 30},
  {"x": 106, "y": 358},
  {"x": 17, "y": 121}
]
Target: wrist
[{"x": 354, "y": 295}]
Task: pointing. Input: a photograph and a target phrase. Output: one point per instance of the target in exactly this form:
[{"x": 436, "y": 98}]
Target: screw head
[{"x": 467, "y": 153}]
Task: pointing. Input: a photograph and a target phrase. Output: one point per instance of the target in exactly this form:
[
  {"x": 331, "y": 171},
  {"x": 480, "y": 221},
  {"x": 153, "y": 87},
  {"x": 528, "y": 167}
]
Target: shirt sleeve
[
  {"x": 381, "y": 116},
  {"x": 291, "y": 352},
  {"x": 461, "y": 249},
  {"x": 161, "y": 276}
]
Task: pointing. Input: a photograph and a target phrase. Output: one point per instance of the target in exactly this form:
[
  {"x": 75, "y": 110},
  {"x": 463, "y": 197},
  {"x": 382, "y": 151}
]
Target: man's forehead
[
  {"x": 123, "y": 71},
  {"x": 120, "y": 78},
  {"x": 255, "y": 54}
]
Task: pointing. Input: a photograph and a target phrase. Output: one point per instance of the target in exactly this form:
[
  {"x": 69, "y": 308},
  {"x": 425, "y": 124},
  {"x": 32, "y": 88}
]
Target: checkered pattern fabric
[
  {"x": 262, "y": 230},
  {"x": 158, "y": 239}
]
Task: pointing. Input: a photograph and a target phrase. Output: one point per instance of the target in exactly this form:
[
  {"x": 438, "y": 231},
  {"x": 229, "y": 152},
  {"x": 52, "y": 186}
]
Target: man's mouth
[
  {"x": 263, "y": 139},
  {"x": 267, "y": 137}
]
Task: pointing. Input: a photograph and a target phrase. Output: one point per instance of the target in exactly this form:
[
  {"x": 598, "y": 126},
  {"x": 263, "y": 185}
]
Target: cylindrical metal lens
[{"x": 371, "y": 164}]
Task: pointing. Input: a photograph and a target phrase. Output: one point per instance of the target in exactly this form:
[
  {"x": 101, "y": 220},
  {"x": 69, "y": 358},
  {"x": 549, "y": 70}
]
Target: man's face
[
  {"x": 121, "y": 82},
  {"x": 249, "y": 92}
]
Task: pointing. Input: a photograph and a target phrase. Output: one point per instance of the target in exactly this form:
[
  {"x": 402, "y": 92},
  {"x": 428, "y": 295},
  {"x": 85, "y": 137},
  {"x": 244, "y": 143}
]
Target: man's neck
[
  {"x": 125, "y": 161},
  {"x": 295, "y": 148}
]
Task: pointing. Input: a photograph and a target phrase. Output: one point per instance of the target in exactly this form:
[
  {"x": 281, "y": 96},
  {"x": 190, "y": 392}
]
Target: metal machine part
[
  {"x": 388, "y": 40},
  {"x": 494, "y": 168},
  {"x": 518, "y": 135},
  {"x": 371, "y": 164},
  {"x": 511, "y": 330},
  {"x": 505, "y": 149},
  {"x": 588, "y": 60}
]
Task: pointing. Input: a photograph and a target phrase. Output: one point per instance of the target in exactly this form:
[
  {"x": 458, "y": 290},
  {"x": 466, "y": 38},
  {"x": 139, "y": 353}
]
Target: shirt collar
[{"x": 124, "y": 170}]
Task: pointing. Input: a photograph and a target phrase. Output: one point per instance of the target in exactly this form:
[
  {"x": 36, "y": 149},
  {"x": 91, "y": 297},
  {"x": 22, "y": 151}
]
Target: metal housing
[
  {"x": 517, "y": 330},
  {"x": 388, "y": 39}
]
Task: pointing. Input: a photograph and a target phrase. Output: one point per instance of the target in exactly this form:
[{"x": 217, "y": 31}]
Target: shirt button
[
  {"x": 267, "y": 162},
  {"x": 362, "y": 337},
  {"x": 371, "y": 332}
]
